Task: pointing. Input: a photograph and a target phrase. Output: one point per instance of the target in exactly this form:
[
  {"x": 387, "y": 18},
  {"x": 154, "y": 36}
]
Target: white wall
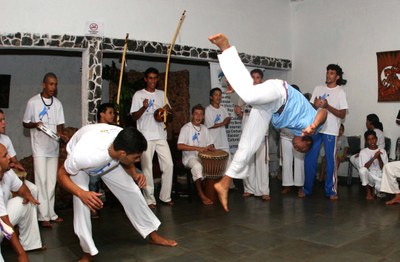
[
  {"x": 349, "y": 33},
  {"x": 258, "y": 27}
]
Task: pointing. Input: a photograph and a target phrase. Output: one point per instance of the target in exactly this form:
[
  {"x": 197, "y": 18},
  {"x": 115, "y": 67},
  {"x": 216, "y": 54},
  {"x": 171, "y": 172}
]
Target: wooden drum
[{"x": 214, "y": 165}]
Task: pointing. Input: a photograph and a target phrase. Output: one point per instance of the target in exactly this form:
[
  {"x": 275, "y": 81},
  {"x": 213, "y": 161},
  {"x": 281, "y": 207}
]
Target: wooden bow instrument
[
  {"x": 168, "y": 62},
  {"x": 121, "y": 75}
]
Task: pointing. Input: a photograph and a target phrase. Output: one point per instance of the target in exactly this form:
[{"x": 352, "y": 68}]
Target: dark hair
[
  {"x": 103, "y": 108},
  {"x": 257, "y": 71},
  {"x": 307, "y": 96},
  {"x": 49, "y": 75},
  {"x": 131, "y": 141},
  {"x": 1, "y": 111},
  {"x": 309, "y": 141},
  {"x": 368, "y": 133},
  {"x": 296, "y": 87},
  {"x": 374, "y": 119},
  {"x": 151, "y": 70},
  {"x": 215, "y": 89},
  {"x": 339, "y": 72},
  {"x": 198, "y": 107}
]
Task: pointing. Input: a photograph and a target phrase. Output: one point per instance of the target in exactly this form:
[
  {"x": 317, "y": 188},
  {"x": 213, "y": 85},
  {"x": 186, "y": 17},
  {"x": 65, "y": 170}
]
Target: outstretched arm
[{"x": 318, "y": 120}]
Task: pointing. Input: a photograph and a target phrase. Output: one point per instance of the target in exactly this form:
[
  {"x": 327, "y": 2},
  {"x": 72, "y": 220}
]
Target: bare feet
[
  {"x": 300, "y": 193},
  {"x": 57, "y": 220},
  {"x": 266, "y": 197},
  {"x": 169, "y": 203},
  {"x": 286, "y": 190},
  {"x": 333, "y": 197},
  {"x": 220, "y": 40},
  {"x": 46, "y": 224},
  {"x": 395, "y": 200},
  {"x": 152, "y": 206},
  {"x": 246, "y": 194},
  {"x": 369, "y": 197},
  {"x": 86, "y": 258},
  {"x": 206, "y": 201},
  {"x": 222, "y": 188},
  {"x": 156, "y": 239}
]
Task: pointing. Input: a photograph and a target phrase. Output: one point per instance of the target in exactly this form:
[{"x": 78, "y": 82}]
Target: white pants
[
  {"x": 265, "y": 98},
  {"x": 390, "y": 173},
  {"x": 257, "y": 183},
  {"x": 167, "y": 168},
  {"x": 196, "y": 168},
  {"x": 128, "y": 193},
  {"x": 372, "y": 179},
  {"x": 252, "y": 137},
  {"x": 25, "y": 216},
  {"x": 45, "y": 180},
  {"x": 288, "y": 155}
]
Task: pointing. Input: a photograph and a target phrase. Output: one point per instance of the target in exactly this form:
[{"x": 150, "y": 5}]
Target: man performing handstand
[
  {"x": 110, "y": 152},
  {"x": 272, "y": 99}
]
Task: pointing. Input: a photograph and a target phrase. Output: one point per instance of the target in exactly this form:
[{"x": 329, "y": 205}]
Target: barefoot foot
[
  {"x": 300, "y": 193},
  {"x": 369, "y": 197},
  {"x": 222, "y": 195},
  {"x": 156, "y": 239},
  {"x": 395, "y": 200},
  {"x": 286, "y": 190},
  {"x": 246, "y": 194},
  {"x": 265, "y": 198},
  {"x": 206, "y": 201},
  {"x": 86, "y": 258},
  {"x": 333, "y": 197}
]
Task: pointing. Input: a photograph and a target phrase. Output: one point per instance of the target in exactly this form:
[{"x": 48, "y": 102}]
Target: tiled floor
[{"x": 283, "y": 229}]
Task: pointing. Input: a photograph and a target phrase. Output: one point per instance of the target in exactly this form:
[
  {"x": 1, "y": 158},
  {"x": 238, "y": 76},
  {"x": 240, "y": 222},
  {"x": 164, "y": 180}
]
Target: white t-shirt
[
  {"x": 6, "y": 141},
  {"x": 366, "y": 154},
  {"x": 214, "y": 116},
  {"x": 150, "y": 128},
  {"x": 88, "y": 150},
  {"x": 9, "y": 182},
  {"x": 51, "y": 116},
  {"x": 193, "y": 136},
  {"x": 336, "y": 98}
]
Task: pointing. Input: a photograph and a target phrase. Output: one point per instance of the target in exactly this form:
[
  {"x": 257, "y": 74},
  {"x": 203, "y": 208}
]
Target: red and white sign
[{"x": 94, "y": 28}]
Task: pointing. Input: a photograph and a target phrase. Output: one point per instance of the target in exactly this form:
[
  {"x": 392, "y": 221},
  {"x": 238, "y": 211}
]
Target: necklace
[
  {"x": 197, "y": 130},
  {"x": 48, "y": 106}
]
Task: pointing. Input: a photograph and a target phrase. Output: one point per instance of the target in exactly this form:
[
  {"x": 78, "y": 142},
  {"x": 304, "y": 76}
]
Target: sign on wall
[
  {"x": 388, "y": 76},
  {"x": 94, "y": 28}
]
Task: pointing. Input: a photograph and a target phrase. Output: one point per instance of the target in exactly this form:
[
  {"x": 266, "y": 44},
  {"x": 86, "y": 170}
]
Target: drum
[
  {"x": 214, "y": 163},
  {"x": 49, "y": 132}
]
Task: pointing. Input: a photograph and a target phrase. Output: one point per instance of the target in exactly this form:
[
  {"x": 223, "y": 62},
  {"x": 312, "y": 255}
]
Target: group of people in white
[{"x": 109, "y": 153}]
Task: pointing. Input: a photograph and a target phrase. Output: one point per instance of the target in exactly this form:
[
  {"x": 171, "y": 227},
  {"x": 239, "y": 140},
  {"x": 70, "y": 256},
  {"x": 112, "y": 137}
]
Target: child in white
[
  {"x": 372, "y": 160},
  {"x": 194, "y": 137},
  {"x": 144, "y": 103},
  {"x": 216, "y": 119}
]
